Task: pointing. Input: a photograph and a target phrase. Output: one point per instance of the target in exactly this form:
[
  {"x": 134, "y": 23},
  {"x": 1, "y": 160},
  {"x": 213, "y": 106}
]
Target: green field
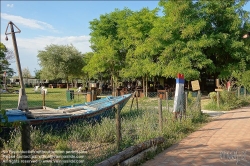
[{"x": 54, "y": 98}]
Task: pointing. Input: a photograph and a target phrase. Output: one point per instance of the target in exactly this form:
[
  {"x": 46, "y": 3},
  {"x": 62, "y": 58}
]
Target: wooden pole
[
  {"x": 25, "y": 142},
  {"x": 92, "y": 95},
  {"x": 167, "y": 106},
  {"x": 199, "y": 100},
  {"x": 118, "y": 127},
  {"x": 43, "y": 98},
  {"x": 160, "y": 113},
  {"x": 218, "y": 99},
  {"x": 186, "y": 100},
  {"x": 245, "y": 92},
  {"x": 238, "y": 91},
  {"x": 132, "y": 100},
  {"x": 137, "y": 100}
]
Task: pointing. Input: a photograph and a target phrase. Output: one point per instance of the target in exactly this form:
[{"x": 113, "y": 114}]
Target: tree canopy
[
  {"x": 191, "y": 37},
  {"x": 196, "y": 38},
  {"x": 60, "y": 62}
]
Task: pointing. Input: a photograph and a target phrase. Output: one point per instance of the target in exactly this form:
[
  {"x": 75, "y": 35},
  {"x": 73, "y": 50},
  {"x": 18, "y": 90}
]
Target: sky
[{"x": 43, "y": 23}]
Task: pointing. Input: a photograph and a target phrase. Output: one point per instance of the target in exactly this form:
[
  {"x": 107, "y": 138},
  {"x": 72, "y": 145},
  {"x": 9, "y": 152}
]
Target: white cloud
[
  {"x": 28, "y": 48},
  {"x": 31, "y": 23},
  {"x": 10, "y": 5}
]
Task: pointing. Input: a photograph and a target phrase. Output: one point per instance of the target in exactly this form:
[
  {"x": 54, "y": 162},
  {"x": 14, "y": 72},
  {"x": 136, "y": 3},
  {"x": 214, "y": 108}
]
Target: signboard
[
  {"x": 92, "y": 85},
  {"x": 218, "y": 90},
  {"x": 195, "y": 85}
]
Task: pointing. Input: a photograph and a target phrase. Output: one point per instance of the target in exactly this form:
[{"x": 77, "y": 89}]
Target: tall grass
[
  {"x": 228, "y": 100},
  {"x": 98, "y": 139}
]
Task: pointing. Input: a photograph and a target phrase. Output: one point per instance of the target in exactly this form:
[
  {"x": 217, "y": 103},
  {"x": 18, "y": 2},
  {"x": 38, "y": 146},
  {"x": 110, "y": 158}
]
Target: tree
[
  {"x": 109, "y": 54},
  {"x": 226, "y": 22},
  {"x": 60, "y": 62},
  {"x": 178, "y": 40},
  {"x": 26, "y": 74},
  {"x": 5, "y": 57},
  {"x": 37, "y": 74},
  {"x": 134, "y": 31}
]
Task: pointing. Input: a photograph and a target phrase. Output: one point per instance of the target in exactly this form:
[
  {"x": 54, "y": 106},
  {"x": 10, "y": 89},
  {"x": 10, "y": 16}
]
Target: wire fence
[{"x": 93, "y": 140}]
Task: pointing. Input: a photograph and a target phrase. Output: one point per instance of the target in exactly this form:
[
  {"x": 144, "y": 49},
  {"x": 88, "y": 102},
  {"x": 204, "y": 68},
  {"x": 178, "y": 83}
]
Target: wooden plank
[{"x": 218, "y": 90}]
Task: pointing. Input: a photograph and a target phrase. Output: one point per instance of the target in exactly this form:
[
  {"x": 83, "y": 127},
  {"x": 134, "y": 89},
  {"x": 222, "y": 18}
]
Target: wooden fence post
[
  {"x": 92, "y": 95},
  {"x": 137, "y": 99},
  {"x": 186, "y": 103},
  {"x": 238, "y": 92},
  {"x": 160, "y": 113},
  {"x": 199, "y": 99},
  {"x": 43, "y": 98},
  {"x": 245, "y": 92},
  {"x": 218, "y": 99},
  {"x": 25, "y": 142},
  {"x": 167, "y": 106},
  {"x": 118, "y": 127}
]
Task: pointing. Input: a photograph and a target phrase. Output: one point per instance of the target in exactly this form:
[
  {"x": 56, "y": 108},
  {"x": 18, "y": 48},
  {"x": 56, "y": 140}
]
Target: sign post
[
  {"x": 196, "y": 87},
  {"x": 179, "y": 95}
]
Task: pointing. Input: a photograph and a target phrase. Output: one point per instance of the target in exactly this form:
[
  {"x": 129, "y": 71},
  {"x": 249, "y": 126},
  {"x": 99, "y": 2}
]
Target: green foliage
[
  {"x": 226, "y": 22},
  {"x": 109, "y": 53},
  {"x": 213, "y": 96},
  {"x": 62, "y": 146},
  {"x": 193, "y": 38},
  {"x": 4, "y": 61},
  {"x": 242, "y": 74},
  {"x": 60, "y": 62},
  {"x": 26, "y": 73},
  {"x": 228, "y": 100}
]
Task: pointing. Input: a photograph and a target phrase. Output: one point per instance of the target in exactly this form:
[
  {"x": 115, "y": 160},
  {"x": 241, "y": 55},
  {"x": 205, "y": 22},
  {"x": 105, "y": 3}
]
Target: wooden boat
[{"x": 73, "y": 113}]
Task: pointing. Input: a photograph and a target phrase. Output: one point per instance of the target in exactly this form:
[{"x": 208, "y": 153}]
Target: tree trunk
[
  {"x": 143, "y": 85},
  {"x": 67, "y": 80}
]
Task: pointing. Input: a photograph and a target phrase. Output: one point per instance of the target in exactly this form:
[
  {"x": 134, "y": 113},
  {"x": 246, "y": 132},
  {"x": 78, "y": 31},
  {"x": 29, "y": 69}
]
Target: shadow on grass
[{"x": 130, "y": 115}]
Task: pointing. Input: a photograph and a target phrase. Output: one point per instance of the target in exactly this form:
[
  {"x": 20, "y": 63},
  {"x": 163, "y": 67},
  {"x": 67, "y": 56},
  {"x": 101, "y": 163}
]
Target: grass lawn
[{"x": 54, "y": 98}]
